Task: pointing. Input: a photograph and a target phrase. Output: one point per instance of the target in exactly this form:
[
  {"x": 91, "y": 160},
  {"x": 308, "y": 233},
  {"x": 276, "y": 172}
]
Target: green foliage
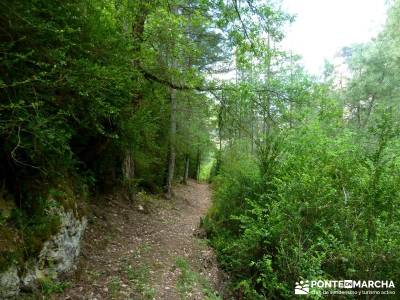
[
  {"x": 114, "y": 286},
  {"x": 305, "y": 179},
  {"x": 139, "y": 278},
  {"x": 60, "y": 85},
  {"x": 76, "y": 100},
  {"x": 236, "y": 182},
  {"x": 138, "y": 275},
  {"x": 49, "y": 286},
  {"x": 328, "y": 209},
  {"x": 189, "y": 282},
  {"x": 305, "y": 176},
  {"x": 23, "y": 235},
  {"x": 27, "y": 228},
  {"x": 73, "y": 96}
]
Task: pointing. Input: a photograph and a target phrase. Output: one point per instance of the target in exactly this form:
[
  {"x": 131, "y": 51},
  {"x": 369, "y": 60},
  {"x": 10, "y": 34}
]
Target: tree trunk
[
  {"x": 172, "y": 142},
  {"x": 198, "y": 164},
  {"x": 128, "y": 165},
  {"x": 128, "y": 173},
  {"x": 186, "y": 174}
]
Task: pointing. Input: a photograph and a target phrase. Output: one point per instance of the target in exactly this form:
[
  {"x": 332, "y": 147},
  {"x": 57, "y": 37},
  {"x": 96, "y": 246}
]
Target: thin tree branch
[
  {"x": 13, "y": 156},
  {"x": 151, "y": 77},
  {"x": 246, "y": 34}
]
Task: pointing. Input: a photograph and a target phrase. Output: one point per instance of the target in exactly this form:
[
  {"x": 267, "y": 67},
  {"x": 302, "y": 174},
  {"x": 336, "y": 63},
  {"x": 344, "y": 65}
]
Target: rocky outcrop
[
  {"x": 63, "y": 249},
  {"x": 9, "y": 283},
  {"x": 58, "y": 255}
]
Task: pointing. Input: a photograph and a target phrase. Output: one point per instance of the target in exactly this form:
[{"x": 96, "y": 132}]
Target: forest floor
[{"x": 151, "y": 249}]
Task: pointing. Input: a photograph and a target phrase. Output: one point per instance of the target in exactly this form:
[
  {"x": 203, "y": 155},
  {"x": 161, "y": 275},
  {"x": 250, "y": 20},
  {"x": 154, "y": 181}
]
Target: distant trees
[{"x": 374, "y": 73}]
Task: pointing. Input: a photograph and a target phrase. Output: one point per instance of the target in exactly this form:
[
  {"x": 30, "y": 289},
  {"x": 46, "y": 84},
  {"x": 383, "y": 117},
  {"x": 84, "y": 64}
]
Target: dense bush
[
  {"x": 66, "y": 80},
  {"x": 326, "y": 208}
]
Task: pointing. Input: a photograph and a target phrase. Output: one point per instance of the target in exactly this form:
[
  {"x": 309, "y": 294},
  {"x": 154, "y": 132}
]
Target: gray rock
[
  {"x": 29, "y": 281},
  {"x": 9, "y": 283},
  {"x": 58, "y": 255},
  {"x": 61, "y": 251}
]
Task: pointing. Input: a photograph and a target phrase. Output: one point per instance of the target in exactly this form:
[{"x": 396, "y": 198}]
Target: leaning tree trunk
[{"x": 172, "y": 144}]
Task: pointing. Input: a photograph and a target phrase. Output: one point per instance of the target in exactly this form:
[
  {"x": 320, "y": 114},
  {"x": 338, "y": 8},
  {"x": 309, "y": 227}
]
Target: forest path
[{"x": 148, "y": 250}]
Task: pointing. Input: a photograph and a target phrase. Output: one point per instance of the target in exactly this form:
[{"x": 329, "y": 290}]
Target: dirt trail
[{"x": 148, "y": 250}]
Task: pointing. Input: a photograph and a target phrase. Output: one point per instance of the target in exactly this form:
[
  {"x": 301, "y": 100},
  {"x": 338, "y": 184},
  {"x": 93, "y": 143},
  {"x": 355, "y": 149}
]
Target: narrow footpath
[{"x": 151, "y": 249}]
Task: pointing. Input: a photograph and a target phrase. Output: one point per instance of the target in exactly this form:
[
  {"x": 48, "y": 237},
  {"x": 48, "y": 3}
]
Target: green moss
[
  {"x": 71, "y": 194},
  {"x": 39, "y": 232},
  {"x": 22, "y": 236},
  {"x": 24, "y": 231},
  {"x": 11, "y": 247}
]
